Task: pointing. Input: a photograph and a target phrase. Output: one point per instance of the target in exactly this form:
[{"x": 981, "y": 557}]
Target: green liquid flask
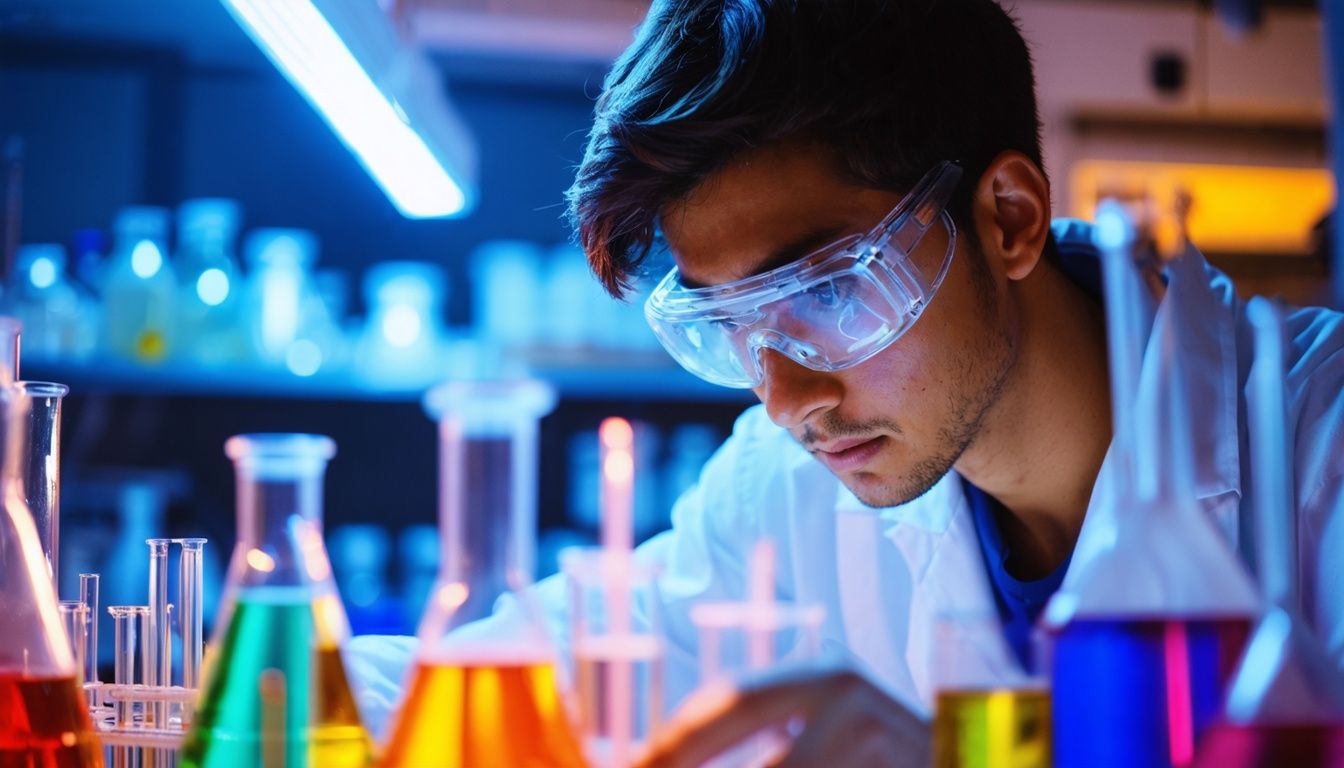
[{"x": 276, "y": 691}]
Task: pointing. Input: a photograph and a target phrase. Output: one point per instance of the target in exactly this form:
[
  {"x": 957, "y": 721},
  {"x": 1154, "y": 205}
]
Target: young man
[{"x": 935, "y": 409}]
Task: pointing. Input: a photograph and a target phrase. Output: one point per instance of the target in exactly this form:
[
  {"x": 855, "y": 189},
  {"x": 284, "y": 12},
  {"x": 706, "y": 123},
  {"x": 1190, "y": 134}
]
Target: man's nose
[{"x": 793, "y": 393}]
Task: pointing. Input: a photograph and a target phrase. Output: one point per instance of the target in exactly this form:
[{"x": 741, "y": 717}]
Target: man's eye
[{"x": 824, "y": 294}]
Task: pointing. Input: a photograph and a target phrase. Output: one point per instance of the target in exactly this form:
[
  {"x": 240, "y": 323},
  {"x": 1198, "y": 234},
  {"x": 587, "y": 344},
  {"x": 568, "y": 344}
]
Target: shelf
[{"x": 591, "y": 377}]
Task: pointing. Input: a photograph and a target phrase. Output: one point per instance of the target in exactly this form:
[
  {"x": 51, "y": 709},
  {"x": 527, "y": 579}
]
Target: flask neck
[
  {"x": 487, "y": 504},
  {"x": 269, "y": 503}
]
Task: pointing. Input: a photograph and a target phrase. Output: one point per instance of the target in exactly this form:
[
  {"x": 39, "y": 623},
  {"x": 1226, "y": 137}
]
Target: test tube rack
[{"x": 143, "y": 716}]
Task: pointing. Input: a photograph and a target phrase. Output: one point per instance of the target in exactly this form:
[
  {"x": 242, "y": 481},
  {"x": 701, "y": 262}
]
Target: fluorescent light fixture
[{"x": 377, "y": 92}]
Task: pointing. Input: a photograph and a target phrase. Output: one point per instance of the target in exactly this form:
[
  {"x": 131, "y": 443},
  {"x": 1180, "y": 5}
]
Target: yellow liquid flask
[
  {"x": 484, "y": 691},
  {"x": 44, "y": 718},
  {"x": 275, "y": 690}
]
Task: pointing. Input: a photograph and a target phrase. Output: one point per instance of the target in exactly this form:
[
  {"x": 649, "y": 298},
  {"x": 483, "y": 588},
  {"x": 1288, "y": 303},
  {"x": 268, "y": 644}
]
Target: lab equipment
[
  {"x": 41, "y": 297},
  {"x": 1285, "y": 705},
  {"x": 1144, "y": 639},
  {"x": 988, "y": 713},
  {"x": 209, "y": 280},
  {"x": 88, "y": 596},
  {"x": 403, "y": 340},
  {"x": 140, "y": 287},
  {"x": 618, "y": 665},
  {"x": 743, "y": 638},
  {"x": 9, "y": 350},
  {"x": 829, "y": 310},
  {"x": 143, "y": 717},
  {"x": 75, "y": 621},
  {"x": 483, "y": 690},
  {"x": 585, "y": 481},
  {"x": 280, "y": 262},
  {"x": 276, "y": 689},
  {"x": 44, "y": 719},
  {"x": 40, "y": 467}
]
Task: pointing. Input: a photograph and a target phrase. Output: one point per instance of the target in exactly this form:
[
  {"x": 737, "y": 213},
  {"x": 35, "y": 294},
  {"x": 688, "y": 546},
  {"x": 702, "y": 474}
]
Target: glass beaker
[
  {"x": 617, "y": 716},
  {"x": 44, "y": 718},
  {"x": 484, "y": 689},
  {"x": 989, "y": 713},
  {"x": 40, "y": 467},
  {"x": 275, "y": 688}
]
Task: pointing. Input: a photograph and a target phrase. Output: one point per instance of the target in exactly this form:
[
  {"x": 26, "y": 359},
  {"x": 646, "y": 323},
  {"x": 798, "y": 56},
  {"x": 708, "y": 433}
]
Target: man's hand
[{"x": 849, "y": 722}]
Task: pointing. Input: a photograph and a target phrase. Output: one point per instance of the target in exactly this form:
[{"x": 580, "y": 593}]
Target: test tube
[
  {"x": 189, "y": 596},
  {"x": 88, "y": 595},
  {"x": 125, "y": 619},
  {"x": 158, "y": 642},
  {"x": 75, "y": 620}
]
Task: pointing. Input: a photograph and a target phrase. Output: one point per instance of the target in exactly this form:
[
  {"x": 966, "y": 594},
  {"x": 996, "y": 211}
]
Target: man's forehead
[{"x": 764, "y": 211}]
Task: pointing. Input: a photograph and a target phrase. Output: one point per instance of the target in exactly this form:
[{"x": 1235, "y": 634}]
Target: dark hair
[{"x": 891, "y": 86}]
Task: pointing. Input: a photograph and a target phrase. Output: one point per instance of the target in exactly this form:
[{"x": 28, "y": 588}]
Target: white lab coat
[{"x": 883, "y": 575}]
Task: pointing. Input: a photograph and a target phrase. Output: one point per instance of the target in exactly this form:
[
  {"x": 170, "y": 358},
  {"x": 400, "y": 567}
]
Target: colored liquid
[
  {"x": 999, "y": 728},
  {"x": 275, "y": 694},
  {"x": 44, "y": 723},
  {"x": 1272, "y": 746},
  {"x": 1140, "y": 692},
  {"x": 479, "y": 716}
]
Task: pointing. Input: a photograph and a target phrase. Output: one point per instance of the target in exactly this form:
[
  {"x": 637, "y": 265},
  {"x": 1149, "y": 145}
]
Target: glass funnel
[
  {"x": 1144, "y": 640},
  {"x": 44, "y": 719},
  {"x": 484, "y": 689},
  {"x": 1285, "y": 705},
  {"x": 275, "y": 687}
]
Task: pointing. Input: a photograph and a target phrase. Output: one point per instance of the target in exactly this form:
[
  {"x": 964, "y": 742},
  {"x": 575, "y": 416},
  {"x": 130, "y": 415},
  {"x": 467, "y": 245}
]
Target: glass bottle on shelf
[
  {"x": 484, "y": 688},
  {"x": 139, "y": 287},
  {"x": 208, "y": 297},
  {"x": 404, "y": 335},
  {"x": 275, "y": 686},
  {"x": 41, "y": 297},
  {"x": 44, "y": 717},
  {"x": 280, "y": 265}
]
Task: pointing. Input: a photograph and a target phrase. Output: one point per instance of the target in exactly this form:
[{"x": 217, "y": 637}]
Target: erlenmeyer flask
[
  {"x": 1148, "y": 626},
  {"x": 1285, "y": 705},
  {"x": 276, "y": 691},
  {"x": 484, "y": 688},
  {"x": 44, "y": 719}
]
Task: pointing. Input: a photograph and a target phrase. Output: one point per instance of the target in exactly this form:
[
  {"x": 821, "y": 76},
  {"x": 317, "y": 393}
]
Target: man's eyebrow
[{"x": 790, "y": 252}]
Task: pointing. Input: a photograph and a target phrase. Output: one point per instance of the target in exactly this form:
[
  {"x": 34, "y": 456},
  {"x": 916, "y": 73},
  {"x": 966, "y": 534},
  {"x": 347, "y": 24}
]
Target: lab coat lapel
[{"x": 897, "y": 570}]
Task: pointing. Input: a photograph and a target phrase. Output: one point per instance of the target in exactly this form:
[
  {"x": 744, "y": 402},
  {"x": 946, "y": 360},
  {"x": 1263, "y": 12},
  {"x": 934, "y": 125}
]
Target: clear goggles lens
[{"x": 828, "y": 311}]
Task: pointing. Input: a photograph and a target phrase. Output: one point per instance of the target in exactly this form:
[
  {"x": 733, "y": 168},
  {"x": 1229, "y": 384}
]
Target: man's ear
[{"x": 1011, "y": 211}]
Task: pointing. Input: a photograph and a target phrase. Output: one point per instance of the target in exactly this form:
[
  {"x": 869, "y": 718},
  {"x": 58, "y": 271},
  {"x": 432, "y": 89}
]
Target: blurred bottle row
[{"x": 196, "y": 306}]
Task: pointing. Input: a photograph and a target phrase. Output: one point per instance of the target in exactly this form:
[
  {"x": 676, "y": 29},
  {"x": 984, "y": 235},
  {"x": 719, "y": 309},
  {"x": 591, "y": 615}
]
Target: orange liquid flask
[
  {"x": 275, "y": 690},
  {"x": 44, "y": 718},
  {"x": 484, "y": 690}
]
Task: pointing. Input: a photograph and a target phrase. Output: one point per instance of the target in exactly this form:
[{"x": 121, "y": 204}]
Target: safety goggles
[{"x": 828, "y": 311}]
